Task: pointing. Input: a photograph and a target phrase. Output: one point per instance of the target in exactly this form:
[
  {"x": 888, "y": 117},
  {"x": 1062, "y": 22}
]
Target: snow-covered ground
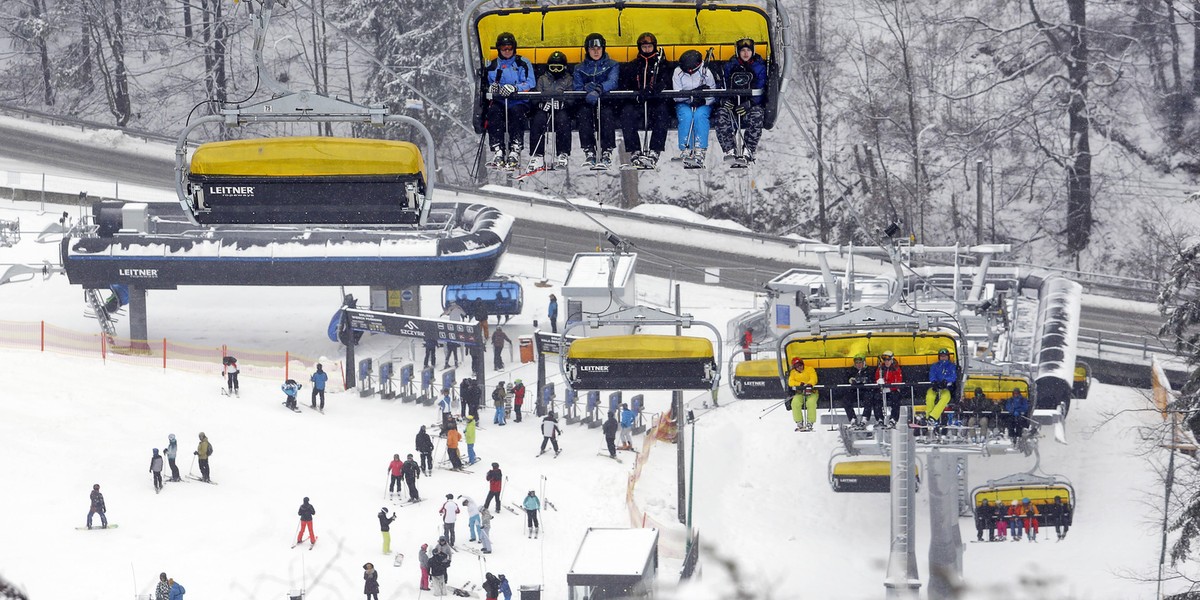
[{"x": 761, "y": 497}]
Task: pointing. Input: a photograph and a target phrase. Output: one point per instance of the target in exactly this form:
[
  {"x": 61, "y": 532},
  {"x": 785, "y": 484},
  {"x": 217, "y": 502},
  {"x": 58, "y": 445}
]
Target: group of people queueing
[
  {"x": 1024, "y": 517},
  {"x": 978, "y": 412},
  {"x": 648, "y": 75}
]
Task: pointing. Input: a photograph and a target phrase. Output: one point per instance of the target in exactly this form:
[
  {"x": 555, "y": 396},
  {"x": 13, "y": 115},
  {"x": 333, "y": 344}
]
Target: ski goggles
[{"x": 557, "y": 68}]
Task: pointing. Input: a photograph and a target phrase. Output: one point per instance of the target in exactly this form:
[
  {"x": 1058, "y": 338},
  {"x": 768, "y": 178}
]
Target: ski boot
[
  {"x": 646, "y": 160},
  {"x": 498, "y": 158},
  {"x": 535, "y": 163},
  {"x": 561, "y": 160},
  {"x": 605, "y": 159},
  {"x": 589, "y": 158}
]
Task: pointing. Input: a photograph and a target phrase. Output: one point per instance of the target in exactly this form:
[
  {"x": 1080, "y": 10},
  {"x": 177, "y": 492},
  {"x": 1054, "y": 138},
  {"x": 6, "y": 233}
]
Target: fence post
[
  {"x": 103, "y": 348},
  {"x": 164, "y": 354},
  {"x": 287, "y": 358},
  {"x": 43, "y": 336},
  {"x": 1099, "y": 342}
]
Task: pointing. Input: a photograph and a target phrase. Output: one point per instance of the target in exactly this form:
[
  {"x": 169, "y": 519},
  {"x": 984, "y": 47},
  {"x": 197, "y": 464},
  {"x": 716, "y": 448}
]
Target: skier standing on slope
[
  {"x": 449, "y": 512},
  {"x": 230, "y": 366},
  {"x": 204, "y": 450},
  {"x": 485, "y": 530},
  {"x": 171, "y": 452},
  {"x": 318, "y": 380},
  {"x": 627, "y": 418},
  {"x": 370, "y": 582},
  {"x": 498, "y": 397},
  {"x": 495, "y": 479},
  {"x": 423, "y": 561},
  {"x": 452, "y": 439},
  {"x": 411, "y": 472},
  {"x": 306, "y": 513},
  {"x": 177, "y": 590},
  {"x": 469, "y": 438},
  {"x": 518, "y": 399},
  {"x": 425, "y": 448},
  {"x": 156, "y": 467},
  {"x": 395, "y": 468},
  {"x": 532, "y": 505},
  {"x": 385, "y": 528},
  {"x": 163, "y": 590},
  {"x": 97, "y": 506},
  {"x": 610, "y": 435},
  {"x": 472, "y": 517},
  {"x": 550, "y": 433},
  {"x": 439, "y": 565}
]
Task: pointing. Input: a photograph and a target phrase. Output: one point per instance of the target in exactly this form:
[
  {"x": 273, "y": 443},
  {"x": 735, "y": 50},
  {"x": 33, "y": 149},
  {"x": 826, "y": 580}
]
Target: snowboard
[
  {"x": 399, "y": 560},
  {"x": 95, "y": 527},
  {"x": 466, "y": 591},
  {"x": 296, "y": 410}
]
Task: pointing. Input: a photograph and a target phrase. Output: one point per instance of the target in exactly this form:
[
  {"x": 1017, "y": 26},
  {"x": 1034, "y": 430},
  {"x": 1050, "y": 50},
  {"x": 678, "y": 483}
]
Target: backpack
[{"x": 210, "y": 448}]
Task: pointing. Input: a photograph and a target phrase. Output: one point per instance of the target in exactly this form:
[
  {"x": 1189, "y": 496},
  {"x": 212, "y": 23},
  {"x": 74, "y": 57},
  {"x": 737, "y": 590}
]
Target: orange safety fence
[
  {"x": 161, "y": 353},
  {"x": 671, "y": 536}
]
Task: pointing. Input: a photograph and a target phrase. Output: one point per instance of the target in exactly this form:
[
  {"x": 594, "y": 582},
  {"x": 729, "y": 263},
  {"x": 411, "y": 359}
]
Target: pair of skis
[{"x": 311, "y": 544}]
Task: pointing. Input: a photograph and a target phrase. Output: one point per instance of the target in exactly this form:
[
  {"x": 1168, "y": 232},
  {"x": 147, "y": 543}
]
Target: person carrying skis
[
  {"x": 648, "y": 74},
  {"x": 491, "y": 587},
  {"x": 552, "y": 309},
  {"x": 495, "y": 479},
  {"x": 97, "y": 507},
  {"x": 943, "y": 377},
  {"x": 230, "y": 368},
  {"x": 610, "y": 434},
  {"x": 439, "y": 564},
  {"x": 507, "y": 75},
  {"x": 452, "y": 439},
  {"x": 627, "y": 418},
  {"x": 469, "y": 437},
  {"x": 472, "y": 517},
  {"x": 411, "y": 472},
  {"x": 550, "y": 432},
  {"x": 888, "y": 372},
  {"x": 499, "y": 395},
  {"x": 425, "y": 448},
  {"x": 693, "y": 113},
  {"x": 549, "y": 114},
  {"x": 203, "y": 451},
  {"x": 518, "y": 399},
  {"x": 747, "y": 71},
  {"x": 1017, "y": 407},
  {"x": 860, "y": 375},
  {"x": 985, "y": 518},
  {"x": 370, "y": 582},
  {"x": 385, "y": 527},
  {"x": 290, "y": 390},
  {"x": 499, "y": 339},
  {"x": 318, "y": 380},
  {"x": 171, "y": 452},
  {"x": 156, "y": 467},
  {"x": 423, "y": 561},
  {"x": 449, "y": 512},
  {"x": 306, "y": 513},
  {"x": 597, "y": 75},
  {"x": 395, "y": 469},
  {"x": 532, "y": 505}
]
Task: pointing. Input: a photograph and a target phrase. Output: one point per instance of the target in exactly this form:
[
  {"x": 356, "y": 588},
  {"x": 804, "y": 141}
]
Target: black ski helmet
[
  {"x": 744, "y": 43},
  {"x": 594, "y": 40},
  {"x": 506, "y": 39},
  {"x": 690, "y": 61},
  {"x": 647, "y": 38},
  {"x": 557, "y": 58}
]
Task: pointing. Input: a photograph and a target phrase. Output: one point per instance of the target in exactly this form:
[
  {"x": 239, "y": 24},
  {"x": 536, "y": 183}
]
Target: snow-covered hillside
[{"x": 761, "y": 497}]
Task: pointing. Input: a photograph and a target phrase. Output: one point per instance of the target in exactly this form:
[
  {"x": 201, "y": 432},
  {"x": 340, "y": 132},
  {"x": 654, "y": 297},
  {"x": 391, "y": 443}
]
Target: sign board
[
  {"x": 551, "y": 343},
  {"x": 413, "y": 327}
]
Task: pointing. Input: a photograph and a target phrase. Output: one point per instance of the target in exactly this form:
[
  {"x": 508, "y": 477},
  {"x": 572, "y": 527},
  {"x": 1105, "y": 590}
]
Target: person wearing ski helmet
[
  {"x": 857, "y": 395},
  {"x": 943, "y": 377},
  {"x": 549, "y": 115},
  {"x": 596, "y": 75},
  {"x": 507, "y": 75},
  {"x": 693, "y": 113},
  {"x": 801, "y": 378},
  {"x": 747, "y": 71},
  {"x": 648, "y": 74},
  {"x": 887, "y": 373}
]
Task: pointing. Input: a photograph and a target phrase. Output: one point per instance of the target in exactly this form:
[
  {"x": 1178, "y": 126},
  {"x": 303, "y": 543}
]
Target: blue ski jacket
[
  {"x": 531, "y": 503},
  {"x": 177, "y": 591},
  {"x": 318, "y": 379},
  {"x": 627, "y": 416},
  {"x": 515, "y": 71},
  {"x": 1017, "y": 406},
  {"x": 736, "y": 71},
  {"x": 290, "y": 389},
  {"x": 944, "y": 371},
  {"x": 599, "y": 76}
]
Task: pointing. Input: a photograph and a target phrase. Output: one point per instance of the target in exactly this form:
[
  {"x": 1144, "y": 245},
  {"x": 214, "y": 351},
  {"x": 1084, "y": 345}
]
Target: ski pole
[
  {"x": 598, "y": 129},
  {"x": 193, "y": 465},
  {"x": 507, "y": 140},
  {"x": 772, "y": 408}
]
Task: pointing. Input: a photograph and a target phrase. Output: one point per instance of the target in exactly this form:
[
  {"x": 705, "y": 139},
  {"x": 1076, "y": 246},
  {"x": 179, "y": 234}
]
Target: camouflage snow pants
[{"x": 752, "y": 125}]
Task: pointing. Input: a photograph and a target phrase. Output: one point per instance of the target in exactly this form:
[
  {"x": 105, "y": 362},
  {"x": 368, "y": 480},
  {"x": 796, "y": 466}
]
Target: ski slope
[{"x": 761, "y": 498}]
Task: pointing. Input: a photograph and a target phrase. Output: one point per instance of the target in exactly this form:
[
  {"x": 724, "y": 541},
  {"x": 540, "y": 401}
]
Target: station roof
[
  {"x": 620, "y": 553},
  {"x": 590, "y": 272}
]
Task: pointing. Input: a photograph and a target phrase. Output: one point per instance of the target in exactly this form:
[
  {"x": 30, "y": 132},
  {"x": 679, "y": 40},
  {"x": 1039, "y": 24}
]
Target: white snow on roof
[
  {"x": 614, "y": 551},
  {"x": 591, "y": 270}
]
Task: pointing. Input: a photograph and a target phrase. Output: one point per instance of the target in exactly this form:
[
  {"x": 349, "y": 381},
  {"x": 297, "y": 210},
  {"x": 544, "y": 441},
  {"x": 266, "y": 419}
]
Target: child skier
[{"x": 290, "y": 389}]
